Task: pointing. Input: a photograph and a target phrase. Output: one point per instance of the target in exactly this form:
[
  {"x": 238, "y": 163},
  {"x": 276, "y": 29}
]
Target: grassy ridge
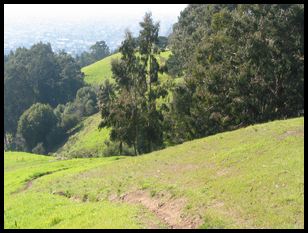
[
  {"x": 100, "y": 70},
  {"x": 248, "y": 178}
]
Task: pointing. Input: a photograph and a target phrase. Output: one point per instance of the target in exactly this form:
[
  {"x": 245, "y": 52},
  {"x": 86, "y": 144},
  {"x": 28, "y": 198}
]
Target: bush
[
  {"x": 86, "y": 101},
  {"x": 35, "y": 124}
]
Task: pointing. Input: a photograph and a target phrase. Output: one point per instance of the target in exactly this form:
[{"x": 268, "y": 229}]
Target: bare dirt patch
[
  {"x": 167, "y": 209},
  {"x": 25, "y": 187}
]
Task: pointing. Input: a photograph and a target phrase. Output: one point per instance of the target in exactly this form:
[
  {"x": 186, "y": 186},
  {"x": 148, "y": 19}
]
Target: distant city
[{"x": 74, "y": 37}]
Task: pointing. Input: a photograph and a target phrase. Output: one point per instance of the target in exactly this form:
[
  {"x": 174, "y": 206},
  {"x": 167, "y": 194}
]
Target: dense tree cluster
[
  {"x": 37, "y": 75},
  {"x": 34, "y": 79},
  {"x": 242, "y": 64},
  {"x": 41, "y": 128}
]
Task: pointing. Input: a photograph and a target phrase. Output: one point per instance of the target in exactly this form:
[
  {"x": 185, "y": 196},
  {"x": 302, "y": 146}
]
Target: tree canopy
[
  {"x": 37, "y": 75},
  {"x": 242, "y": 64},
  {"x": 36, "y": 124}
]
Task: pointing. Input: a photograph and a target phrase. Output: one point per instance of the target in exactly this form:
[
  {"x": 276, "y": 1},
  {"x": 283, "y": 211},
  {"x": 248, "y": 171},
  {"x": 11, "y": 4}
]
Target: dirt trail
[
  {"x": 167, "y": 209},
  {"x": 25, "y": 187}
]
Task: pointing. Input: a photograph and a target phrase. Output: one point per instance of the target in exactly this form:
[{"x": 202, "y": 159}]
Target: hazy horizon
[
  {"x": 78, "y": 12},
  {"x": 80, "y": 24}
]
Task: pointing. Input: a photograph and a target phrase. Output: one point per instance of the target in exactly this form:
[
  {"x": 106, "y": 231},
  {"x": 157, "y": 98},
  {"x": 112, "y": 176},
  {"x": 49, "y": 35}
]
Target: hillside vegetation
[
  {"x": 249, "y": 178},
  {"x": 86, "y": 139}
]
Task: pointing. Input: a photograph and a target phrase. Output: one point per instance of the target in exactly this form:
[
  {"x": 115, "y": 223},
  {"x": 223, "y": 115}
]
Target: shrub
[{"x": 35, "y": 124}]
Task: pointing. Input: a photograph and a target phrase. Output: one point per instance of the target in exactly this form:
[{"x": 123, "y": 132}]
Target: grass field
[
  {"x": 101, "y": 70},
  {"x": 249, "y": 178}
]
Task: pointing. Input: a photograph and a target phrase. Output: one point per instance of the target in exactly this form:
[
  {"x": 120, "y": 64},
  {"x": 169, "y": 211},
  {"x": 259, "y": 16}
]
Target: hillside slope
[
  {"x": 86, "y": 140},
  {"x": 249, "y": 178},
  {"x": 101, "y": 70}
]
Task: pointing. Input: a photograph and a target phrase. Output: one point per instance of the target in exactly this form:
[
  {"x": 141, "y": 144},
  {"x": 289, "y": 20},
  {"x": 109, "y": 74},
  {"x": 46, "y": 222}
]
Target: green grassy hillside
[
  {"x": 249, "y": 178},
  {"x": 87, "y": 140},
  {"x": 99, "y": 71}
]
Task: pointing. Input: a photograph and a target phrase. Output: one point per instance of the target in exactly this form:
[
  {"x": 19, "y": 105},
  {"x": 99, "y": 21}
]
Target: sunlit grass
[{"x": 248, "y": 178}]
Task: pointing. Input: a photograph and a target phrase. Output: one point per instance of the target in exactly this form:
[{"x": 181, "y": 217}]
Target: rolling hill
[{"x": 248, "y": 178}]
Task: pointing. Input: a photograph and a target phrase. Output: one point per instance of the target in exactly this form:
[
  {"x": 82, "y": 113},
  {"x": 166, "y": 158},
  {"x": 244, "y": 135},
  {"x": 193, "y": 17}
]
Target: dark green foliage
[
  {"x": 245, "y": 66},
  {"x": 71, "y": 78},
  {"x": 37, "y": 75},
  {"x": 70, "y": 114},
  {"x": 55, "y": 138},
  {"x": 173, "y": 66},
  {"x": 18, "y": 94},
  {"x": 14, "y": 143},
  {"x": 35, "y": 124},
  {"x": 193, "y": 24},
  {"x": 86, "y": 100}
]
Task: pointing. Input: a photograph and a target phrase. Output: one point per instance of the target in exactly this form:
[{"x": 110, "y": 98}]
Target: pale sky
[{"x": 77, "y": 12}]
